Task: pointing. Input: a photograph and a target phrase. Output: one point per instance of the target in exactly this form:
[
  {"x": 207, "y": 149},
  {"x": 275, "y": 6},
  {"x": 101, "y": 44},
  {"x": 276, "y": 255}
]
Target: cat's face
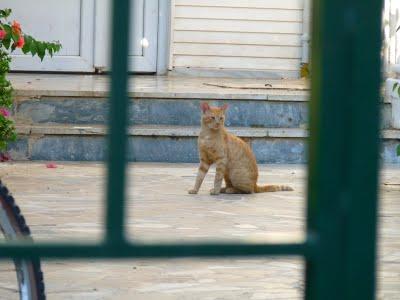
[{"x": 213, "y": 117}]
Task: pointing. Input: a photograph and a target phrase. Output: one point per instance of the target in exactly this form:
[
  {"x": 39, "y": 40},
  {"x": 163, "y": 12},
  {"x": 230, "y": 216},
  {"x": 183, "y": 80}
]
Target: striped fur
[{"x": 234, "y": 159}]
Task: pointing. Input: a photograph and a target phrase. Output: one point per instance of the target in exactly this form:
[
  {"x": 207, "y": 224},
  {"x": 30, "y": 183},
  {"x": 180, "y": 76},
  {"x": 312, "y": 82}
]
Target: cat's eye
[{"x": 213, "y": 117}]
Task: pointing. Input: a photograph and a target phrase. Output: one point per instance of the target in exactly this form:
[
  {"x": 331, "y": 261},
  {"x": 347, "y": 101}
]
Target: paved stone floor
[{"x": 66, "y": 204}]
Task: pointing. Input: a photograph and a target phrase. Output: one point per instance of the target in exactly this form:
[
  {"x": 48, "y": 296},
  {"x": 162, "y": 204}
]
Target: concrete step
[
  {"x": 67, "y": 115},
  {"x": 160, "y": 100},
  {"x": 78, "y": 99},
  {"x": 156, "y": 130},
  {"x": 160, "y": 143},
  {"x": 161, "y": 111},
  {"x": 281, "y": 111}
]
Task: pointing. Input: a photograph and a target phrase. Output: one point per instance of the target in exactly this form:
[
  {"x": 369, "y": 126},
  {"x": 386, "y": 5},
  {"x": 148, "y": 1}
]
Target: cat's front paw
[
  {"x": 214, "y": 192},
  {"x": 192, "y": 191}
]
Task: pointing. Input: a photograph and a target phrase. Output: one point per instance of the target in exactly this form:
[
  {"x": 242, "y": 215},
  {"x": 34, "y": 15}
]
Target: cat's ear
[
  {"x": 224, "y": 107},
  {"x": 204, "y": 107}
]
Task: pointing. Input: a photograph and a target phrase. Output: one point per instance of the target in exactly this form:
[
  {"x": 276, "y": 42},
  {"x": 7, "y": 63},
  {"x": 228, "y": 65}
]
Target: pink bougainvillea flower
[
  {"x": 5, "y": 157},
  {"x": 51, "y": 166},
  {"x": 21, "y": 42},
  {"x": 4, "y": 112},
  {"x": 3, "y": 34},
  {"x": 16, "y": 27}
]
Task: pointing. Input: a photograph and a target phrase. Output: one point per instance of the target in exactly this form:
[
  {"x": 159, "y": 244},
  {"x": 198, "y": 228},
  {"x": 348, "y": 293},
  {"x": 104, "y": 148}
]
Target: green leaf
[
  {"x": 53, "y": 48},
  {"x": 41, "y": 50},
  {"x": 33, "y": 48},
  {"x": 15, "y": 37},
  {"x": 27, "y": 46},
  {"x": 57, "y": 47},
  {"x": 7, "y": 28},
  {"x": 5, "y": 13},
  {"x": 3, "y": 145},
  {"x": 395, "y": 85},
  {"x": 398, "y": 150},
  {"x": 25, "y": 50},
  {"x": 398, "y": 92},
  {"x": 7, "y": 42}
]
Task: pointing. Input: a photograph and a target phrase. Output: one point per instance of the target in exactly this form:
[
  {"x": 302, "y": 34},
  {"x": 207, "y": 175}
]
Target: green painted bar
[
  {"x": 342, "y": 188},
  {"x": 149, "y": 251},
  {"x": 340, "y": 250},
  {"x": 115, "y": 216},
  {"x": 363, "y": 155}
]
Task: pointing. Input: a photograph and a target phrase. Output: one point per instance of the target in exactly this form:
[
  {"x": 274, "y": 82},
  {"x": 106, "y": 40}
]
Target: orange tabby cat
[{"x": 234, "y": 159}]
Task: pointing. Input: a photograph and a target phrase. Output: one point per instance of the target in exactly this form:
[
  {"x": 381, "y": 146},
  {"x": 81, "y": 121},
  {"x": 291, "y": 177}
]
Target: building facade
[{"x": 262, "y": 38}]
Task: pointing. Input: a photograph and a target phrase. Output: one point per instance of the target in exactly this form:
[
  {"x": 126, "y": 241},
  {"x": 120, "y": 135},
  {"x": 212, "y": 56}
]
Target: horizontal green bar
[{"x": 29, "y": 250}]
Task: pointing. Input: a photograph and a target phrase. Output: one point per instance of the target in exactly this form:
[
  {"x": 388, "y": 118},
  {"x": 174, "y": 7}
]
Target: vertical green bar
[
  {"x": 344, "y": 144},
  {"x": 118, "y": 121},
  {"x": 364, "y": 166}
]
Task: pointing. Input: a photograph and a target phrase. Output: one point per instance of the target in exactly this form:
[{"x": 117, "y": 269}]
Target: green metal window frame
[{"x": 340, "y": 248}]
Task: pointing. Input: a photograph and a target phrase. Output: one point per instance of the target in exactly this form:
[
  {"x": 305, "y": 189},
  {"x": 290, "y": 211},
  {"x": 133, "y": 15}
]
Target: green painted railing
[{"x": 340, "y": 249}]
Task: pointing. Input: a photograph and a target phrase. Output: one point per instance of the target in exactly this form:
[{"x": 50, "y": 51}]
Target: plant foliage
[{"x": 12, "y": 38}]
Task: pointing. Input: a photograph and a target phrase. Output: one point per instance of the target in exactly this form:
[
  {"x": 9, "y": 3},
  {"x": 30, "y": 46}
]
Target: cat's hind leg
[
  {"x": 232, "y": 190},
  {"x": 242, "y": 180}
]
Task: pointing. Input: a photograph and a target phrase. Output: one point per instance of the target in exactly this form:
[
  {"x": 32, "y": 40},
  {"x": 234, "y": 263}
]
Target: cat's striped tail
[{"x": 272, "y": 188}]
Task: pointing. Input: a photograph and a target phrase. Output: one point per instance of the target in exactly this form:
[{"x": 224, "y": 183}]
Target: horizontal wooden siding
[{"x": 256, "y": 35}]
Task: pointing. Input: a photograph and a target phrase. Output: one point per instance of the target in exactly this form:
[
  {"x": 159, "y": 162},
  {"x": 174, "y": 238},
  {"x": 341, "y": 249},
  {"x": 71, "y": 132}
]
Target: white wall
[
  {"x": 391, "y": 21},
  {"x": 256, "y": 35}
]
